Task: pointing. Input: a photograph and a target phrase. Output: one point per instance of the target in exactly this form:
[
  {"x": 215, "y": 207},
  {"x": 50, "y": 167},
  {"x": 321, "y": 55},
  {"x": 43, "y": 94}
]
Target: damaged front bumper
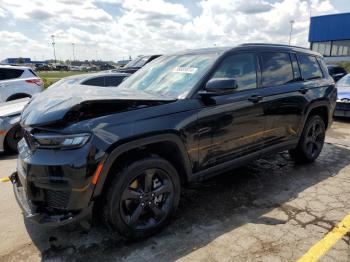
[{"x": 41, "y": 216}]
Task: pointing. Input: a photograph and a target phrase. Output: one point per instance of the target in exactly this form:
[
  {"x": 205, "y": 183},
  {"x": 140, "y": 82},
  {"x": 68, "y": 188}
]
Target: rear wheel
[
  {"x": 311, "y": 141},
  {"x": 142, "y": 198},
  {"x": 12, "y": 138}
]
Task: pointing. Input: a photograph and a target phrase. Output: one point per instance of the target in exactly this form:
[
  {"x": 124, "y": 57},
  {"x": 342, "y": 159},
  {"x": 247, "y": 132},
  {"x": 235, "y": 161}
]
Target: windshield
[
  {"x": 344, "y": 82},
  {"x": 172, "y": 76}
]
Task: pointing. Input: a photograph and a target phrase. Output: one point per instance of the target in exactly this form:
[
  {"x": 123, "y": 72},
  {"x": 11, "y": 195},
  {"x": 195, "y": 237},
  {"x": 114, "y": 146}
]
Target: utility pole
[
  {"x": 73, "y": 49},
  {"x": 53, "y": 45},
  {"x": 291, "y": 30}
]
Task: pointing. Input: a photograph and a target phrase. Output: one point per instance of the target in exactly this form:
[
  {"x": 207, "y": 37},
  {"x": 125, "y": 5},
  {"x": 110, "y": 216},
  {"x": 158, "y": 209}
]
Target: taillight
[{"x": 36, "y": 81}]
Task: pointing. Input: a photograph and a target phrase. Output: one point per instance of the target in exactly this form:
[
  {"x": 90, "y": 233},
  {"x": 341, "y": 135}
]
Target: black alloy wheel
[
  {"x": 311, "y": 141},
  {"x": 147, "y": 199},
  {"x": 142, "y": 197}
]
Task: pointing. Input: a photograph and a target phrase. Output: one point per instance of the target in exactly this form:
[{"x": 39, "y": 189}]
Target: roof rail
[{"x": 266, "y": 44}]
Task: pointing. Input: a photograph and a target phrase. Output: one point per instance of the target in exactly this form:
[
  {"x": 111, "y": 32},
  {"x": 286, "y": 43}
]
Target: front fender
[{"x": 110, "y": 158}]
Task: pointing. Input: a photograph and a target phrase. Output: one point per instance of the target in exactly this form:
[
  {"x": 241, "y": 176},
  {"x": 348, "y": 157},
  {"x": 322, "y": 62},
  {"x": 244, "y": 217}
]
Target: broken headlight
[{"x": 60, "y": 141}]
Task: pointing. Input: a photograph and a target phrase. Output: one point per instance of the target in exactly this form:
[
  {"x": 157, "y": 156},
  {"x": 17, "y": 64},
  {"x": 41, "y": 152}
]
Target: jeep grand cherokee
[{"x": 181, "y": 118}]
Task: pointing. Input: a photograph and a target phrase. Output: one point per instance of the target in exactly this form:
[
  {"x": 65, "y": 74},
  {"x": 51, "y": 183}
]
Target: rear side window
[
  {"x": 9, "y": 73},
  {"x": 113, "y": 80},
  {"x": 309, "y": 67},
  {"x": 241, "y": 67},
  {"x": 276, "y": 69},
  {"x": 97, "y": 81}
]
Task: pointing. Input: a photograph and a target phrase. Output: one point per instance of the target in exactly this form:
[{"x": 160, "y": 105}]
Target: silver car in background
[
  {"x": 18, "y": 82},
  {"x": 93, "y": 79},
  {"x": 10, "y": 130}
]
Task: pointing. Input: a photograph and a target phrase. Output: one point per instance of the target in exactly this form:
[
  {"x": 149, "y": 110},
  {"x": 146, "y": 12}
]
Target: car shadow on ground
[
  {"x": 7, "y": 156},
  {"x": 207, "y": 210}
]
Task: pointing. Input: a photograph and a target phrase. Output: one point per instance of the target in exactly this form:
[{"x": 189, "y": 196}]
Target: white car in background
[{"x": 18, "y": 82}]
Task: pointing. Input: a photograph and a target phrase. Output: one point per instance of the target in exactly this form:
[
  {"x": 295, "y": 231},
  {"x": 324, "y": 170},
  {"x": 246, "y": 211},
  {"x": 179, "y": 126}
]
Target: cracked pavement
[{"x": 269, "y": 210}]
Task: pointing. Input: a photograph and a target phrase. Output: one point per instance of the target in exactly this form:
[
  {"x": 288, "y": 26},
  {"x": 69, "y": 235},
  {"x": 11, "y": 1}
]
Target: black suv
[{"x": 126, "y": 151}]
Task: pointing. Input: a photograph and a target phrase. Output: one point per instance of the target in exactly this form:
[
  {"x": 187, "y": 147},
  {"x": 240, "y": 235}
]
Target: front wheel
[
  {"x": 311, "y": 141},
  {"x": 12, "y": 139},
  {"x": 142, "y": 198}
]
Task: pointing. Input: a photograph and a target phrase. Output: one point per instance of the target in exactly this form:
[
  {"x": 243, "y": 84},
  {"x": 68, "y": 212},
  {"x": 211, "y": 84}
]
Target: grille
[
  {"x": 342, "y": 106},
  {"x": 57, "y": 199}
]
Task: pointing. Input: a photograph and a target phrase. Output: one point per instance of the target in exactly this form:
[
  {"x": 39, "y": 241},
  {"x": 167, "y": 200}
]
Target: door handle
[
  {"x": 255, "y": 98},
  {"x": 303, "y": 90}
]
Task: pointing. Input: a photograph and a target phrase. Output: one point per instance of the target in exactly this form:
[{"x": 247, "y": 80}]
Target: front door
[{"x": 232, "y": 125}]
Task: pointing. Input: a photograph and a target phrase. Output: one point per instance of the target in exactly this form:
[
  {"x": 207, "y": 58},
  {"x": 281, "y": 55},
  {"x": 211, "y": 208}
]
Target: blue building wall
[{"x": 330, "y": 28}]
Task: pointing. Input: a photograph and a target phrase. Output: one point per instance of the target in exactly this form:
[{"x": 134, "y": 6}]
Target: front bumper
[
  {"x": 38, "y": 214},
  {"x": 342, "y": 109},
  {"x": 53, "y": 187}
]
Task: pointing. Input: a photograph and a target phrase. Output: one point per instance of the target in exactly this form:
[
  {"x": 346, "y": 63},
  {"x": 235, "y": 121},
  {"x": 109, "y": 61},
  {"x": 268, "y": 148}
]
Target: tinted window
[
  {"x": 97, "y": 81},
  {"x": 309, "y": 67},
  {"x": 113, "y": 80},
  {"x": 9, "y": 73},
  {"x": 339, "y": 70},
  {"x": 241, "y": 67},
  {"x": 276, "y": 69}
]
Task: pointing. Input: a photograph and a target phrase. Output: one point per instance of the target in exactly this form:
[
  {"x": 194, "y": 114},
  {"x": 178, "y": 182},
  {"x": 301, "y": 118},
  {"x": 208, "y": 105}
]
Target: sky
[{"x": 116, "y": 29}]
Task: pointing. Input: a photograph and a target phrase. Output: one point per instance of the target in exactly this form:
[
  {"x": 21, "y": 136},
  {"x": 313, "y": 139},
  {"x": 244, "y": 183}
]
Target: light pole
[
  {"x": 291, "y": 30},
  {"x": 73, "y": 49},
  {"x": 53, "y": 45}
]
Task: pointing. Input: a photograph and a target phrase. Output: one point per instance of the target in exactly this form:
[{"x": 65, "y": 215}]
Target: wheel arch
[
  {"x": 17, "y": 96},
  {"x": 321, "y": 109},
  {"x": 168, "y": 146}
]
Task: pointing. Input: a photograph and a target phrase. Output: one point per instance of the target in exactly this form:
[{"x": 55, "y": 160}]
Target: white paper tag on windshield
[{"x": 185, "y": 70}]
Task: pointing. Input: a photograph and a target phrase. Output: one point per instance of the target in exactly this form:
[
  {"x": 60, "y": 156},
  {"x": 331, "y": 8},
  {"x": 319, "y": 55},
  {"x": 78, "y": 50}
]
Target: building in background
[
  {"x": 22, "y": 61},
  {"x": 330, "y": 36}
]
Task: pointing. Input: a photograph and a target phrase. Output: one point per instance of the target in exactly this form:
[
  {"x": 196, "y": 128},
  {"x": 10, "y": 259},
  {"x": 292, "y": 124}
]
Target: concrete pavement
[{"x": 269, "y": 210}]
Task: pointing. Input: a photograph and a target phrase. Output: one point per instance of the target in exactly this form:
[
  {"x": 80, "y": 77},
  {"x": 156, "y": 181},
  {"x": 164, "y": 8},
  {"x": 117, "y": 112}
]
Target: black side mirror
[{"x": 219, "y": 86}]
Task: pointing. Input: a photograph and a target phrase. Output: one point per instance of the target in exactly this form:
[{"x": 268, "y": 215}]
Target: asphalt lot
[{"x": 269, "y": 210}]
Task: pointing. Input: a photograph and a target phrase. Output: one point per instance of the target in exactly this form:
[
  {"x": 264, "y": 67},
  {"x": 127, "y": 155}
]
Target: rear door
[{"x": 284, "y": 97}]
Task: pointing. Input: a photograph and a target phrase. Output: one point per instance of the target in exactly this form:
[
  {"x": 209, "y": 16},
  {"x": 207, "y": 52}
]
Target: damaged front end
[{"x": 61, "y": 150}]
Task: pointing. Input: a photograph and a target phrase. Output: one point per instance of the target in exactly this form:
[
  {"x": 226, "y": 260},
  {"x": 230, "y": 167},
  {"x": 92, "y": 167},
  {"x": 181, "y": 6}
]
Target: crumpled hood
[
  {"x": 72, "y": 103},
  {"x": 14, "y": 107},
  {"x": 343, "y": 92}
]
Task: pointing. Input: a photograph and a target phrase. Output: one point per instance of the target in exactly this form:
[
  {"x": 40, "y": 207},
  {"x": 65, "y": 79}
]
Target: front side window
[
  {"x": 309, "y": 67},
  {"x": 276, "y": 69},
  {"x": 241, "y": 67},
  {"x": 171, "y": 76}
]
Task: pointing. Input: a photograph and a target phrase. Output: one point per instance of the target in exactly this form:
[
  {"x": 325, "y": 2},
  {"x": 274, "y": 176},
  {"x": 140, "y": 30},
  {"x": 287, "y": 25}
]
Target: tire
[
  {"x": 311, "y": 141},
  {"x": 142, "y": 198},
  {"x": 12, "y": 139}
]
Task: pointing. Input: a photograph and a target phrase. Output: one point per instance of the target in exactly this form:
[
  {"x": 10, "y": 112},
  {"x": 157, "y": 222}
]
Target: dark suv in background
[
  {"x": 126, "y": 151},
  {"x": 136, "y": 64},
  {"x": 336, "y": 72}
]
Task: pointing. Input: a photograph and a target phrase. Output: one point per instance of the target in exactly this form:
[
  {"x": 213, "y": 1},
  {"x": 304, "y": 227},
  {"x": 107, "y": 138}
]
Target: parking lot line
[
  {"x": 329, "y": 240},
  {"x": 5, "y": 179}
]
